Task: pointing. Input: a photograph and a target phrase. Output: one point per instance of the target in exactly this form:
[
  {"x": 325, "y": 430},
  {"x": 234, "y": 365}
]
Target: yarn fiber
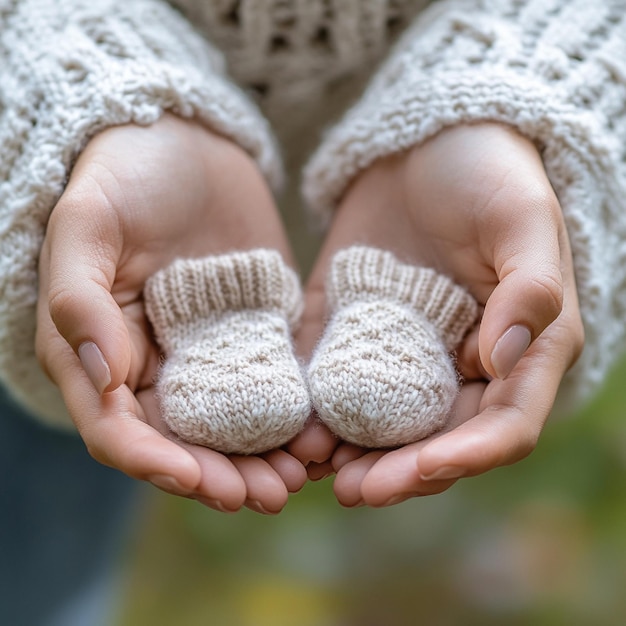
[
  {"x": 382, "y": 375},
  {"x": 230, "y": 380}
]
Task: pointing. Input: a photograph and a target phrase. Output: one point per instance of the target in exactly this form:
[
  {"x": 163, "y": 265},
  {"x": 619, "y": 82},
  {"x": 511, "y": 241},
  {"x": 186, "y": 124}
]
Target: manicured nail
[
  {"x": 447, "y": 472},
  {"x": 397, "y": 499},
  {"x": 168, "y": 483},
  {"x": 509, "y": 350},
  {"x": 256, "y": 506},
  {"x": 356, "y": 505},
  {"x": 213, "y": 504},
  {"x": 95, "y": 365}
]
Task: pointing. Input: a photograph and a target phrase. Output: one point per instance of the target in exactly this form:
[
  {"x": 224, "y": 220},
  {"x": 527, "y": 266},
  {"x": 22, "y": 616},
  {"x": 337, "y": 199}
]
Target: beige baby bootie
[
  {"x": 382, "y": 375},
  {"x": 230, "y": 380}
]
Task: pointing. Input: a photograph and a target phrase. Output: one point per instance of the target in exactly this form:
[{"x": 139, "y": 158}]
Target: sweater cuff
[
  {"x": 81, "y": 67},
  {"x": 408, "y": 113},
  {"x": 69, "y": 69},
  {"x": 586, "y": 165}
]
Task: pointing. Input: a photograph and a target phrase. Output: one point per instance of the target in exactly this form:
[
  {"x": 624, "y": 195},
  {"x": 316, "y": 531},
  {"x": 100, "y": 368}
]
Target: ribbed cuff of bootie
[
  {"x": 192, "y": 289},
  {"x": 362, "y": 274},
  {"x": 382, "y": 375},
  {"x": 230, "y": 380}
]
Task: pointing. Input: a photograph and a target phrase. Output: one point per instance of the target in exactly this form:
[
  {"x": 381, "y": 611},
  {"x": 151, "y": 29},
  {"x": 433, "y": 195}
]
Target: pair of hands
[{"x": 474, "y": 202}]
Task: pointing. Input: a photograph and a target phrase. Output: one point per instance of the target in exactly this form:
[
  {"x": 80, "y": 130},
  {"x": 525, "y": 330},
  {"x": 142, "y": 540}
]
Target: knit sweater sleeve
[
  {"x": 69, "y": 69},
  {"x": 553, "y": 69}
]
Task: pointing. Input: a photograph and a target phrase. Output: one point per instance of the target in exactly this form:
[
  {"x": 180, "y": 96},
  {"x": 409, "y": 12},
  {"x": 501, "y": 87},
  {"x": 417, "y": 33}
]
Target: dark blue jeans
[{"x": 64, "y": 523}]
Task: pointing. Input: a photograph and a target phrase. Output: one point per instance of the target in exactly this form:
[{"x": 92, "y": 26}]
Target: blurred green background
[{"x": 542, "y": 542}]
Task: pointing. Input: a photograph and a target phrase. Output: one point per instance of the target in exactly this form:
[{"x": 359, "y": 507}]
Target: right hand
[{"x": 137, "y": 198}]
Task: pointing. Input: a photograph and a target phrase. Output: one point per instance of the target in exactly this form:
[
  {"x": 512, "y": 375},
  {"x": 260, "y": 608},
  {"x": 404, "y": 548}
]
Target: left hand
[{"x": 474, "y": 202}]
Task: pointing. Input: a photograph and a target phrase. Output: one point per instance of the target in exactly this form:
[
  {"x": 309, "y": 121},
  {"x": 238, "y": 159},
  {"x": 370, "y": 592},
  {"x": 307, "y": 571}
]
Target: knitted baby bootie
[
  {"x": 382, "y": 375},
  {"x": 230, "y": 380}
]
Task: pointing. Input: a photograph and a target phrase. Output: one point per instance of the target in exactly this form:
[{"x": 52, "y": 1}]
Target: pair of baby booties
[{"x": 381, "y": 376}]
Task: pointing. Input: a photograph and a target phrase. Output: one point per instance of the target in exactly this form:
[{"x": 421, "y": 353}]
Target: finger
[
  {"x": 396, "y": 477},
  {"x": 347, "y": 485},
  {"x": 512, "y": 415},
  {"x": 116, "y": 435},
  {"x": 512, "y": 412},
  {"x": 78, "y": 269},
  {"x": 266, "y": 491},
  {"x": 468, "y": 358},
  {"x": 319, "y": 471},
  {"x": 345, "y": 453},
  {"x": 290, "y": 470},
  {"x": 529, "y": 293},
  {"x": 220, "y": 486},
  {"x": 314, "y": 444}
]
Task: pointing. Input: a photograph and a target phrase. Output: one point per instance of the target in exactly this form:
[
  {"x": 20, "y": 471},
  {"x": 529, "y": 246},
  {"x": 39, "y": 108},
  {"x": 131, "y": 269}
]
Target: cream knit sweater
[{"x": 554, "y": 69}]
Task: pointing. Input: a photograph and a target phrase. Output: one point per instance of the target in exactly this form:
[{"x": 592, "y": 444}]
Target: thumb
[
  {"x": 77, "y": 272},
  {"x": 529, "y": 293}
]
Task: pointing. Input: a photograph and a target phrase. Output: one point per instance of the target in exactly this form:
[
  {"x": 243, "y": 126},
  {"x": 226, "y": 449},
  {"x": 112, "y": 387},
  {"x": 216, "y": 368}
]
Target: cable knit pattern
[
  {"x": 68, "y": 69},
  {"x": 294, "y": 54},
  {"x": 382, "y": 375},
  {"x": 553, "y": 69},
  {"x": 230, "y": 380}
]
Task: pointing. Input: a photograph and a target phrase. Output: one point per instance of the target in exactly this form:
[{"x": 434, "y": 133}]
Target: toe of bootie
[
  {"x": 248, "y": 407},
  {"x": 386, "y": 387}
]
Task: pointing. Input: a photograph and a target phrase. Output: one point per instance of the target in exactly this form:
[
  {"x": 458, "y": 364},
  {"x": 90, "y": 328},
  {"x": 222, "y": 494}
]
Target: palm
[
  {"x": 145, "y": 207},
  {"x": 475, "y": 204}
]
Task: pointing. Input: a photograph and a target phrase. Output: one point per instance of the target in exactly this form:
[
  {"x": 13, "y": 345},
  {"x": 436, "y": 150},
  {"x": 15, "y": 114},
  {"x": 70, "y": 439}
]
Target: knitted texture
[
  {"x": 553, "y": 69},
  {"x": 69, "y": 69},
  {"x": 382, "y": 375},
  {"x": 230, "y": 380},
  {"x": 292, "y": 53}
]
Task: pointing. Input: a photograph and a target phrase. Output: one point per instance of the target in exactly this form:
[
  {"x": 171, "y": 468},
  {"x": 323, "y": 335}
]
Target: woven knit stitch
[
  {"x": 556, "y": 71},
  {"x": 553, "y": 69},
  {"x": 381, "y": 375},
  {"x": 230, "y": 380}
]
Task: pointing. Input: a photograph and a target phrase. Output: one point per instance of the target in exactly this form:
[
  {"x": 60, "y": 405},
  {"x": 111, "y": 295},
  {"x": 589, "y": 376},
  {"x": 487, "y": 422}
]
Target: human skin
[
  {"x": 139, "y": 197},
  {"x": 475, "y": 203}
]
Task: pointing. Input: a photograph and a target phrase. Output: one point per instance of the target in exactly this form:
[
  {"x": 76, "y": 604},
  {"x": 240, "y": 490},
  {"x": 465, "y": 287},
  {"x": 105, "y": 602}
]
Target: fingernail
[
  {"x": 168, "y": 483},
  {"x": 397, "y": 499},
  {"x": 256, "y": 506},
  {"x": 447, "y": 472},
  {"x": 213, "y": 504},
  {"x": 356, "y": 505},
  {"x": 509, "y": 350},
  {"x": 95, "y": 365}
]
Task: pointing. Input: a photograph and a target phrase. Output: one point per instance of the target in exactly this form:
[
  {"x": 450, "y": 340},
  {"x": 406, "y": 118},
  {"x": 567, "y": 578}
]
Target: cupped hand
[
  {"x": 474, "y": 202},
  {"x": 137, "y": 198}
]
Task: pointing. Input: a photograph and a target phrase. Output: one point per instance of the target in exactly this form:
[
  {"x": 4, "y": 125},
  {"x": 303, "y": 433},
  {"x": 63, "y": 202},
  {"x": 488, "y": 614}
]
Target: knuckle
[
  {"x": 547, "y": 287},
  {"x": 96, "y": 453},
  {"x": 96, "y": 191},
  {"x": 63, "y": 305}
]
